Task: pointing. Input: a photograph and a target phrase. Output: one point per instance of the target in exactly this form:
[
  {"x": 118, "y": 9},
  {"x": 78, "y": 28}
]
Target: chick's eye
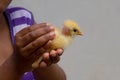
[{"x": 74, "y": 30}]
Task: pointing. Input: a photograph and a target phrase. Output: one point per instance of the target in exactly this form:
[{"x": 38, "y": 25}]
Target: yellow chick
[{"x": 63, "y": 37}]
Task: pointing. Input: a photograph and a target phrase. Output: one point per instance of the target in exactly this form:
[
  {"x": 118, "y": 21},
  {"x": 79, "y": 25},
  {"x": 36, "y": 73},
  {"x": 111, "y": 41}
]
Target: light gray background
[{"x": 96, "y": 55}]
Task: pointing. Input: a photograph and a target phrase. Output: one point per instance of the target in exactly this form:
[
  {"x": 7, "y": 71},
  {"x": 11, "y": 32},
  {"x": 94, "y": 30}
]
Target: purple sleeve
[
  {"x": 19, "y": 18},
  {"x": 28, "y": 76}
]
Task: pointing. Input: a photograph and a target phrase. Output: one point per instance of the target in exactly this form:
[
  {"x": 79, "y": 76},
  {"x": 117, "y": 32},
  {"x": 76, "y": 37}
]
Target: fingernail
[
  {"x": 48, "y": 24},
  {"x": 52, "y": 33},
  {"x": 51, "y": 28}
]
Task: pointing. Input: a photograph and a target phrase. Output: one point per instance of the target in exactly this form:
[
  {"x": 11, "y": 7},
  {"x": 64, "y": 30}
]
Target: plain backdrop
[{"x": 96, "y": 55}]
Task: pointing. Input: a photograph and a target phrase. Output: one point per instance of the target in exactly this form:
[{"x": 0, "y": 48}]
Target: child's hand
[
  {"x": 31, "y": 43},
  {"x": 51, "y": 58}
]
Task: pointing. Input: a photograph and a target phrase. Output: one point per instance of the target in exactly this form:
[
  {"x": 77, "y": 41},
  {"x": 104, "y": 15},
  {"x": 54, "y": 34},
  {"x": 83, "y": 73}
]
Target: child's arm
[{"x": 54, "y": 72}]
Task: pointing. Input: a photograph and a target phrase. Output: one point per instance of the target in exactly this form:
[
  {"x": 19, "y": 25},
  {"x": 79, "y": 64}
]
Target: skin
[{"x": 30, "y": 43}]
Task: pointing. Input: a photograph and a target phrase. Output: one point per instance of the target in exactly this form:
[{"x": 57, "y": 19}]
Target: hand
[
  {"x": 51, "y": 58},
  {"x": 31, "y": 43}
]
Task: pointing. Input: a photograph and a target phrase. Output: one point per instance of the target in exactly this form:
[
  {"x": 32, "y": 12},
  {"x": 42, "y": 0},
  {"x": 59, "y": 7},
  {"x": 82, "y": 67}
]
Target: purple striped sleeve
[
  {"x": 28, "y": 76},
  {"x": 21, "y": 20},
  {"x": 14, "y": 21},
  {"x": 13, "y": 9}
]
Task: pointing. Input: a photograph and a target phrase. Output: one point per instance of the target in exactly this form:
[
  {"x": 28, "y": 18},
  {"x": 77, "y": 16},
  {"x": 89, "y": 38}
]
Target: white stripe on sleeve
[
  {"x": 18, "y": 28},
  {"x": 20, "y": 13}
]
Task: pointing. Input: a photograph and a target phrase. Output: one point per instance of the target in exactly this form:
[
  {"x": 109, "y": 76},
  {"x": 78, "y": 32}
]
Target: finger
[
  {"x": 31, "y": 33},
  {"x": 55, "y": 59},
  {"x": 47, "y": 59},
  {"x": 41, "y": 50},
  {"x": 29, "y": 29},
  {"x": 35, "y": 34},
  {"x": 53, "y": 53},
  {"x": 54, "y": 56},
  {"x": 38, "y": 43},
  {"x": 60, "y": 52},
  {"x": 46, "y": 47},
  {"x": 46, "y": 56},
  {"x": 43, "y": 64}
]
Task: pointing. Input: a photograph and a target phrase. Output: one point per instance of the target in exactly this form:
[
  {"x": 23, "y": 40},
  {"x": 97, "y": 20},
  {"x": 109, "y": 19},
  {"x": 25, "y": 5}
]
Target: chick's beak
[{"x": 80, "y": 33}]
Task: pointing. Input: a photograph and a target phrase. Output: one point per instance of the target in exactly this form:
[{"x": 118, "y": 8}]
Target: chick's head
[{"x": 72, "y": 28}]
